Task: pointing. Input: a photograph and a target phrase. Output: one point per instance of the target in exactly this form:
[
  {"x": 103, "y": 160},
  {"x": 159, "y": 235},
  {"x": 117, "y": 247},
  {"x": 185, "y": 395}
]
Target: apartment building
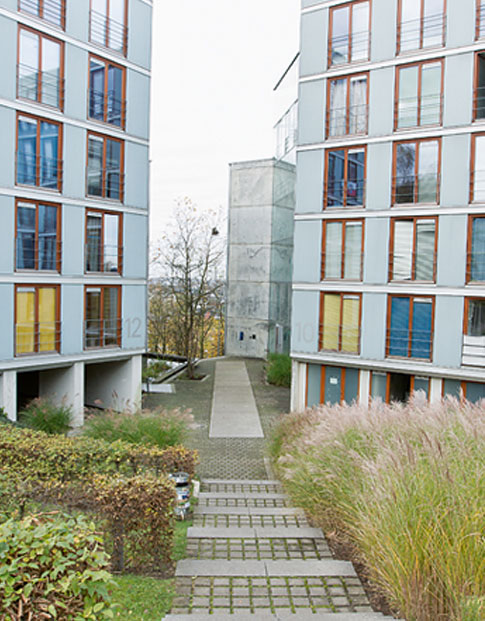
[
  {"x": 389, "y": 265},
  {"x": 74, "y": 121}
]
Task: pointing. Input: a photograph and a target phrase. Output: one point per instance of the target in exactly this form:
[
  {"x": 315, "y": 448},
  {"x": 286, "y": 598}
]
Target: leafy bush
[
  {"x": 162, "y": 428},
  {"x": 53, "y": 567},
  {"x": 279, "y": 370},
  {"x": 43, "y": 415},
  {"x": 155, "y": 369},
  {"x": 405, "y": 487}
]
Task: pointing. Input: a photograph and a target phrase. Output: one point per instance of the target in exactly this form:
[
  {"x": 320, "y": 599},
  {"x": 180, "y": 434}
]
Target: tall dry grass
[{"x": 405, "y": 485}]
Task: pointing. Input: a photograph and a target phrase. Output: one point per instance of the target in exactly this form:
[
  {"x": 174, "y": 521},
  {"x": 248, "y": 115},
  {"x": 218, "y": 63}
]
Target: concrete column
[
  {"x": 298, "y": 386},
  {"x": 435, "y": 389},
  {"x": 364, "y": 387},
  {"x": 65, "y": 386},
  {"x": 8, "y": 393}
]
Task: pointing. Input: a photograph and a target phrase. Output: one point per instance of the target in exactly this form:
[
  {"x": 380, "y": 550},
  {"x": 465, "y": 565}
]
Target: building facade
[
  {"x": 74, "y": 119},
  {"x": 389, "y": 265}
]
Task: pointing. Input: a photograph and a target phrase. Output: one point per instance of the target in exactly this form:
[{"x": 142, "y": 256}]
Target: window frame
[
  {"x": 466, "y": 322},
  {"x": 323, "y": 377},
  {"x": 106, "y": 63},
  {"x": 60, "y": 145},
  {"x": 411, "y": 298},
  {"x": 103, "y": 196},
  {"x": 420, "y": 64},
  {"x": 416, "y": 141},
  {"x": 36, "y": 203},
  {"x": 343, "y": 222},
  {"x": 414, "y": 220},
  {"x": 101, "y": 320},
  {"x": 349, "y": 78},
  {"x": 421, "y": 30},
  {"x": 347, "y": 149},
  {"x": 388, "y": 384},
  {"x": 40, "y": 15},
  {"x": 104, "y": 212},
  {"x": 351, "y": 6},
  {"x": 479, "y": 18},
  {"x": 108, "y": 19},
  {"x": 469, "y": 250},
  {"x": 473, "y": 161},
  {"x": 36, "y": 287},
  {"x": 342, "y": 295}
]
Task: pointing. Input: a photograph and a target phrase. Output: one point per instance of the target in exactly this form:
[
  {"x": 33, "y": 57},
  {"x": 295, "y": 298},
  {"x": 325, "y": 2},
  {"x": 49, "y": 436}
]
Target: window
[
  {"x": 349, "y": 33},
  {"x": 410, "y": 329},
  {"x": 38, "y": 152},
  {"x": 477, "y": 188},
  {"x": 38, "y": 236},
  {"x": 340, "y": 322},
  {"x": 40, "y": 69},
  {"x": 479, "y": 98},
  {"x": 53, "y": 11},
  {"x": 419, "y": 95},
  {"x": 413, "y": 249},
  {"x": 417, "y": 167},
  {"x": 345, "y": 177},
  {"x": 343, "y": 246},
  {"x": 103, "y": 317},
  {"x": 103, "y": 241},
  {"x": 37, "y": 329},
  {"x": 421, "y": 24},
  {"x": 475, "y": 317},
  {"x": 107, "y": 26},
  {"x": 347, "y": 109},
  {"x": 106, "y": 92},
  {"x": 392, "y": 387},
  {"x": 480, "y": 19},
  {"x": 476, "y": 250},
  {"x": 105, "y": 166}
]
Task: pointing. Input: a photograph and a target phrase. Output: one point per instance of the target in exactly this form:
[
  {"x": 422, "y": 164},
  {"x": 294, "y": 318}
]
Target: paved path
[{"x": 234, "y": 412}]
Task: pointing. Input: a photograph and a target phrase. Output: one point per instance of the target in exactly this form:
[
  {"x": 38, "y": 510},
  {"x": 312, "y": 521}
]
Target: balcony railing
[
  {"x": 477, "y": 186},
  {"x": 420, "y": 33},
  {"x": 413, "y": 266},
  {"x": 53, "y": 11},
  {"x": 481, "y": 21},
  {"x": 400, "y": 345},
  {"x": 337, "y": 266},
  {"x": 340, "y": 338},
  {"x": 412, "y": 189},
  {"x": 103, "y": 259},
  {"x": 99, "y": 333},
  {"x": 352, "y": 120},
  {"x": 43, "y": 254},
  {"x": 358, "y": 43},
  {"x": 418, "y": 111},
  {"x": 475, "y": 271},
  {"x": 107, "y": 107},
  {"x": 106, "y": 183},
  {"x": 479, "y": 103},
  {"x": 345, "y": 194},
  {"x": 473, "y": 353},
  {"x": 107, "y": 32},
  {"x": 37, "y": 337},
  {"x": 43, "y": 87},
  {"x": 42, "y": 171}
]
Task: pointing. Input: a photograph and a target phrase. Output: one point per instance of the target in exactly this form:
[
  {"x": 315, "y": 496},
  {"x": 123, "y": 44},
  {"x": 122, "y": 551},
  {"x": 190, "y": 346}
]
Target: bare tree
[{"x": 190, "y": 261}]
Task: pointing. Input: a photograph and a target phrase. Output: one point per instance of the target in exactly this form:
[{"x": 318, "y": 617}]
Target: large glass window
[
  {"x": 105, "y": 167},
  {"x": 419, "y": 95},
  {"x": 345, "y": 177},
  {"x": 106, "y": 92},
  {"x": 36, "y": 325},
  {"x": 103, "y": 317},
  {"x": 410, "y": 330},
  {"x": 350, "y": 33},
  {"x": 413, "y": 249},
  {"x": 38, "y": 233},
  {"x": 475, "y": 316},
  {"x": 108, "y": 24},
  {"x": 340, "y": 322},
  {"x": 343, "y": 244},
  {"x": 103, "y": 241},
  {"x": 52, "y": 11},
  {"x": 421, "y": 24},
  {"x": 417, "y": 171},
  {"x": 479, "y": 98},
  {"x": 38, "y": 152},
  {"x": 476, "y": 250},
  {"x": 347, "y": 107}
]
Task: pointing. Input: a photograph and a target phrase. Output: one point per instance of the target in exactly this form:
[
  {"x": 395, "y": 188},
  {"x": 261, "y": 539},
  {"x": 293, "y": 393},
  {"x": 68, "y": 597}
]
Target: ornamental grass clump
[
  {"x": 278, "y": 371},
  {"x": 43, "y": 415},
  {"x": 404, "y": 487}
]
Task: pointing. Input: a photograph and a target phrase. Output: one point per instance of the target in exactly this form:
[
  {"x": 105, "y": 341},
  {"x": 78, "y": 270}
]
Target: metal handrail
[
  {"x": 107, "y": 101},
  {"x": 100, "y": 28},
  {"x": 436, "y": 24},
  {"x": 353, "y": 120},
  {"x": 54, "y": 12},
  {"x": 33, "y": 170},
  {"x": 31, "y": 255},
  {"x": 99, "y": 333},
  {"x": 40, "y": 335},
  {"x": 420, "y": 107},
  {"x": 343, "y": 333},
  {"x": 100, "y": 258},
  {"x": 31, "y": 86},
  {"x": 414, "y": 180},
  {"x": 359, "y": 41}
]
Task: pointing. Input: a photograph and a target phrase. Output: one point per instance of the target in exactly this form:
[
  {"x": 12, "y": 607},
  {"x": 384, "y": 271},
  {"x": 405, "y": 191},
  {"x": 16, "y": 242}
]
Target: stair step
[
  {"x": 203, "y": 510},
  {"x": 263, "y": 615},
  {"x": 242, "y": 495},
  {"x": 240, "y": 482},
  {"x": 295, "y": 568},
  {"x": 245, "y": 532}
]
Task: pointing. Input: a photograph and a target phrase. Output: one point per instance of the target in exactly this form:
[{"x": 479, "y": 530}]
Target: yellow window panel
[
  {"x": 331, "y": 321},
  {"x": 350, "y": 325},
  {"x": 25, "y": 328},
  {"x": 47, "y": 319}
]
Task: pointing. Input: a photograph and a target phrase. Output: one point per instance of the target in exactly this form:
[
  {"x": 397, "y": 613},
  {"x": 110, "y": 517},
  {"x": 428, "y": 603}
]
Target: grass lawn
[{"x": 141, "y": 598}]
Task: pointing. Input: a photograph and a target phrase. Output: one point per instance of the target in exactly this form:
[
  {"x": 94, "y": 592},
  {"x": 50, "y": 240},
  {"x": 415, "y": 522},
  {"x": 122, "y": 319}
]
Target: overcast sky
[{"x": 215, "y": 63}]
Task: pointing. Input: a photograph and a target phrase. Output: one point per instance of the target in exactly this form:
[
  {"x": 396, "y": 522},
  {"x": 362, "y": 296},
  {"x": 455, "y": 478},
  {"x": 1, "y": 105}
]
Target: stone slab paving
[
  {"x": 256, "y": 532},
  {"x": 247, "y": 510},
  {"x": 258, "y": 549},
  {"x": 242, "y": 495},
  {"x": 229, "y": 519},
  {"x": 280, "y": 615}
]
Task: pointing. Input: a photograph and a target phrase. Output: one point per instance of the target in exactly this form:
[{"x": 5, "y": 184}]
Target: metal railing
[
  {"x": 422, "y": 266},
  {"x": 416, "y": 34},
  {"x": 103, "y": 259},
  {"x": 350, "y": 48},
  {"x": 106, "y": 183},
  {"x": 107, "y": 32},
  {"x": 477, "y": 186},
  {"x": 41, "y": 86},
  {"x": 100, "y": 333},
  {"x": 418, "y": 111},
  {"x": 475, "y": 271},
  {"x": 344, "y": 193},
  {"x": 402, "y": 344},
  {"x": 346, "y": 338},
  {"x": 43, "y": 254},
  {"x": 342, "y": 263},
  {"x": 346, "y": 121},
  {"x": 53, "y": 11},
  {"x": 479, "y": 103},
  {"x": 37, "y": 337},
  {"x": 481, "y": 20},
  {"x": 40, "y": 171},
  {"x": 410, "y": 189},
  {"x": 107, "y": 108}
]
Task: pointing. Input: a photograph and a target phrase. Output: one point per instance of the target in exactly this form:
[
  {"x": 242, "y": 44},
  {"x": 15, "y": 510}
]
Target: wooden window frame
[
  {"x": 419, "y": 64},
  {"x": 411, "y": 298},
  {"x": 388, "y": 384},
  {"x": 469, "y": 250},
  {"x": 421, "y": 29},
  {"x": 108, "y": 20},
  {"x": 36, "y": 287},
  {"x": 42, "y": 36},
  {"x": 416, "y": 141},
  {"x": 321, "y": 313},
  {"x": 106, "y": 64},
  {"x": 476, "y": 77},
  {"x": 349, "y": 78},
  {"x": 104, "y": 212},
  {"x": 40, "y": 15},
  {"x": 469, "y": 299},
  {"x": 414, "y": 220},
  {"x": 351, "y": 6},
  {"x": 101, "y": 307},
  {"x": 39, "y": 120},
  {"x": 344, "y": 223},
  {"x": 347, "y": 149},
  {"x": 343, "y": 374},
  {"x": 36, "y": 203},
  {"x": 103, "y": 196}
]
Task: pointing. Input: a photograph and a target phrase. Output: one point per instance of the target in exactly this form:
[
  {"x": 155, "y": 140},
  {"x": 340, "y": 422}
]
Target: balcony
[
  {"x": 43, "y": 87},
  {"x": 475, "y": 267},
  {"x": 415, "y": 112},
  {"x": 106, "y": 107},
  {"x": 347, "y": 48},
  {"x": 400, "y": 344},
  {"x": 106, "y": 259},
  {"x": 107, "y": 32},
  {"x": 53, "y": 11},
  {"x": 37, "y": 338},
  {"x": 413, "y": 266},
  {"x": 415, "y": 189},
  {"x": 481, "y": 20},
  {"x": 340, "y": 338},
  {"x": 41, "y": 171},
  {"x": 340, "y": 266},
  {"x": 347, "y": 121},
  {"x": 102, "y": 333},
  {"x": 344, "y": 194},
  {"x": 106, "y": 183},
  {"x": 416, "y": 34},
  {"x": 42, "y": 255},
  {"x": 473, "y": 354}
]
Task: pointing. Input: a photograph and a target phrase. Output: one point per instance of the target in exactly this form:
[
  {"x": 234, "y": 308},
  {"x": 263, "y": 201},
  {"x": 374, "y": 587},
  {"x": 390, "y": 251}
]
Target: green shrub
[
  {"x": 53, "y": 567},
  {"x": 279, "y": 370},
  {"x": 43, "y": 415},
  {"x": 162, "y": 428},
  {"x": 155, "y": 369}
]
